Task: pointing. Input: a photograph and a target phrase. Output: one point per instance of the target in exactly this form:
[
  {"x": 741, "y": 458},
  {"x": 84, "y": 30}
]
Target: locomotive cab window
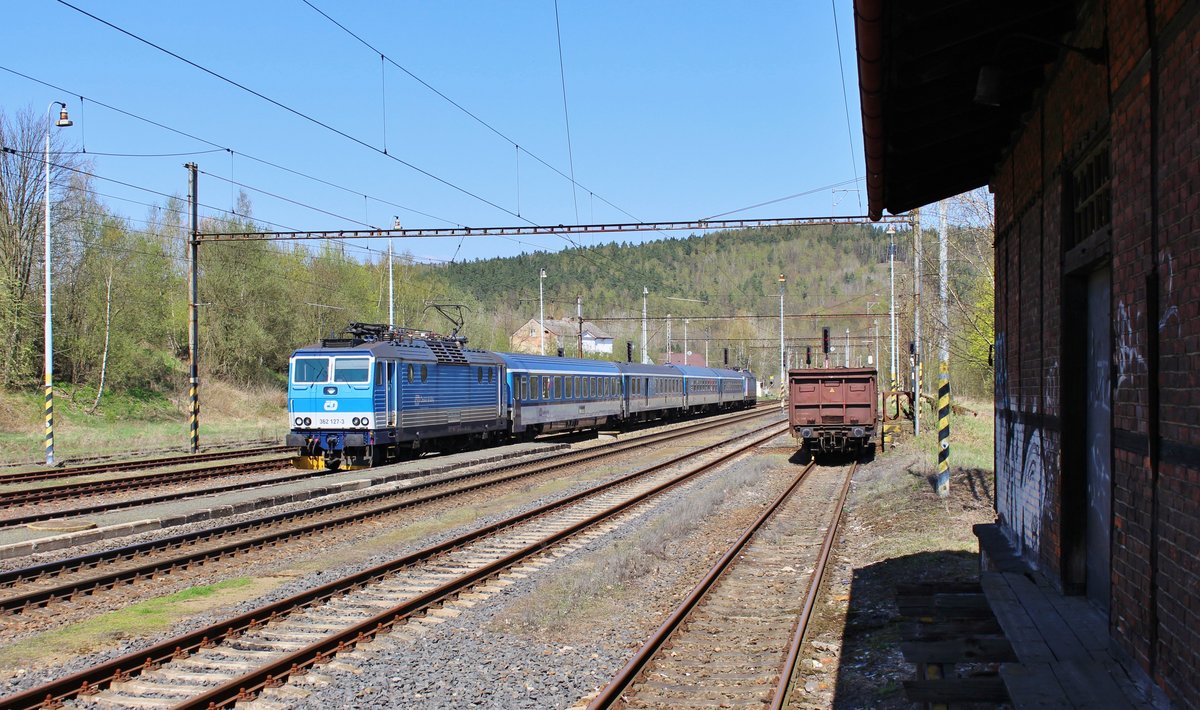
[
  {"x": 352, "y": 369},
  {"x": 309, "y": 370}
]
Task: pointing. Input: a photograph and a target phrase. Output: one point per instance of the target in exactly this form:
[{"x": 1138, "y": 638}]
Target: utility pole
[
  {"x": 542, "y": 312},
  {"x": 645, "y": 350},
  {"x": 579, "y": 317},
  {"x": 782, "y": 366},
  {"x": 391, "y": 290},
  {"x": 668, "y": 360},
  {"x": 918, "y": 272},
  {"x": 685, "y": 342},
  {"x": 847, "y": 347},
  {"x": 943, "y": 479},
  {"x": 193, "y": 311},
  {"x": 891, "y": 232}
]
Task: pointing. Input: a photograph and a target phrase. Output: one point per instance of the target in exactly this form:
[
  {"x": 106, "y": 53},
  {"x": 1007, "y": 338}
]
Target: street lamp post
[
  {"x": 541, "y": 313},
  {"x": 62, "y": 122}
]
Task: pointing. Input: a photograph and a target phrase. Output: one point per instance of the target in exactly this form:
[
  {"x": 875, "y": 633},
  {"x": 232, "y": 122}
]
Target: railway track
[
  {"x": 735, "y": 639},
  {"x": 140, "y": 464},
  {"x": 238, "y": 658},
  {"x": 69, "y": 491},
  {"x": 82, "y": 576},
  {"x": 215, "y": 472}
]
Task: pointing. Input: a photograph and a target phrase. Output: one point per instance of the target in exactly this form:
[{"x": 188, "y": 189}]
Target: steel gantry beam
[{"x": 533, "y": 230}]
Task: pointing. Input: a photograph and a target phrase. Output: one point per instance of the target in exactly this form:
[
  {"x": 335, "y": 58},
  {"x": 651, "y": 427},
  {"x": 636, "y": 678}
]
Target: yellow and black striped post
[
  {"x": 194, "y": 415},
  {"x": 49, "y": 410},
  {"x": 943, "y": 479}
]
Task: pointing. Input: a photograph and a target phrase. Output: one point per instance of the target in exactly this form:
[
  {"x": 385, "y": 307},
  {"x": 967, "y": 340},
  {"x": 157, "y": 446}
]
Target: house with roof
[{"x": 561, "y": 333}]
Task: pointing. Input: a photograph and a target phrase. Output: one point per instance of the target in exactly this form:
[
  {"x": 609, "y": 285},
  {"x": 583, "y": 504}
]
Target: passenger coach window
[
  {"x": 351, "y": 369},
  {"x": 570, "y": 388},
  {"x": 310, "y": 369},
  {"x": 558, "y": 387}
]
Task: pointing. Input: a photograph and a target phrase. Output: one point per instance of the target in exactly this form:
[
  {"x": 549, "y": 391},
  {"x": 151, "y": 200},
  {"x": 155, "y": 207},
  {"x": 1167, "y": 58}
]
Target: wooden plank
[
  {"x": 1089, "y": 685},
  {"x": 950, "y": 628},
  {"x": 1033, "y": 685},
  {"x": 1020, "y": 629},
  {"x": 1058, "y": 635},
  {"x": 967, "y": 649},
  {"x": 1089, "y": 624},
  {"x": 945, "y": 606},
  {"x": 956, "y": 690},
  {"x": 931, "y": 588}
]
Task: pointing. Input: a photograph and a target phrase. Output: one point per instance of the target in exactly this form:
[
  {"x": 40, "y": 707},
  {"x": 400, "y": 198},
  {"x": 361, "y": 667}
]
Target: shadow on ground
[{"x": 872, "y": 670}]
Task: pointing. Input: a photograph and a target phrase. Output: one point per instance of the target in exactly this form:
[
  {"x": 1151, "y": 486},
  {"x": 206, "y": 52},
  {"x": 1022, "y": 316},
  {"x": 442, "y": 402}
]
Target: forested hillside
[{"x": 120, "y": 291}]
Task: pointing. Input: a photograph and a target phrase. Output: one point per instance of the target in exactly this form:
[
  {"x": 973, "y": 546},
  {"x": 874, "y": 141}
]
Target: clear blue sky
[{"x": 678, "y": 110}]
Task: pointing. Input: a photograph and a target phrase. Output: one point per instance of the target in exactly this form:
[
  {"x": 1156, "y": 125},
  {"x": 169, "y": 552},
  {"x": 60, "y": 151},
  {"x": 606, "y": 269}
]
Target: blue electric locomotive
[{"x": 383, "y": 394}]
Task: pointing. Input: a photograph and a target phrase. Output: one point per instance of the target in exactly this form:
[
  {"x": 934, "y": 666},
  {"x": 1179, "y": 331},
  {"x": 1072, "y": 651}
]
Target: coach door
[{"x": 392, "y": 388}]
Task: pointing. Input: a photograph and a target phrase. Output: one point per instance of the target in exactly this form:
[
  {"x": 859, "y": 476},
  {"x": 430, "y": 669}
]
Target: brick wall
[{"x": 1148, "y": 104}]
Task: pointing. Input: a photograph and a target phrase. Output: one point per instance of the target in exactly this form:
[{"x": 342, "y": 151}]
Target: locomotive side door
[{"x": 392, "y": 388}]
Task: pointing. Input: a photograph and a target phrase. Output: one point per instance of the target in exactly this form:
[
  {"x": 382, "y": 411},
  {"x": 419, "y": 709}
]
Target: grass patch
[
  {"x": 141, "y": 619},
  {"x": 136, "y": 420}
]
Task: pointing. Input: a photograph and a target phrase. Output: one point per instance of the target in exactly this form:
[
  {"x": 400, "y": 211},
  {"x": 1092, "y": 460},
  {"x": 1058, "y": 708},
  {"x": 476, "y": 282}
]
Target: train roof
[
  {"x": 409, "y": 350},
  {"x": 544, "y": 363},
  {"x": 696, "y": 371},
  {"x": 637, "y": 368}
]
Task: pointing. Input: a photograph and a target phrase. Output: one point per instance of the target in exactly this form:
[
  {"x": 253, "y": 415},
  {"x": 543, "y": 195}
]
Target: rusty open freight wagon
[{"x": 833, "y": 409}]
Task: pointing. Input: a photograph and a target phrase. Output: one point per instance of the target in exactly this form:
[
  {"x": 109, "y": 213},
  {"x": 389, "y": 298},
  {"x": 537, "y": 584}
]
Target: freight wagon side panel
[{"x": 833, "y": 408}]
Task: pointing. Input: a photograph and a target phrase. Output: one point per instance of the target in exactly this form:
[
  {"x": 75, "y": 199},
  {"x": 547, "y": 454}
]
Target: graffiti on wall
[
  {"x": 1020, "y": 466},
  {"x": 1130, "y": 349},
  {"x": 1170, "y": 310}
]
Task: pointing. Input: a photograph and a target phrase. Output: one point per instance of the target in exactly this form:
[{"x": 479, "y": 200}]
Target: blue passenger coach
[
  {"x": 383, "y": 394},
  {"x": 561, "y": 394}
]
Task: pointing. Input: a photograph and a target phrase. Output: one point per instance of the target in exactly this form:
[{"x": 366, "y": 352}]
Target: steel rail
[
  {"x": 17, "y": 499},
  {"x": 810, "y": 598},
  {"x": 626, "y": 676},
  {"x": 249, "y": 684},
  {"x": 164, "y": 498},
  {"x": 122, "y": 668},
  {"x": 94, "y": 468},
  {"x": 43, "y": 597}
]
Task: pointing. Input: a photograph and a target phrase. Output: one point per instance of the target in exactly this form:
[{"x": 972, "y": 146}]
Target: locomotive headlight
[
  {"x": 354, "y": 421},
  {"x": 299, "y": 421},
  {"x": 308, "y": 421}
]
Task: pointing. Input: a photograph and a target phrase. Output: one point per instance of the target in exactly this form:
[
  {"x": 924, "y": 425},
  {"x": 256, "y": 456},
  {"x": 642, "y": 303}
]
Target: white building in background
[{"x": 563, "y": 334}]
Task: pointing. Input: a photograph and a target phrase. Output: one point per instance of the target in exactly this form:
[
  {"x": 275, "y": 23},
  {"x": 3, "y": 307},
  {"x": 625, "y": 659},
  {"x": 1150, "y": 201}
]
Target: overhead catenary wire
[
  {"x": 845, "y": 101},
  {"x": 466, "y": 111},
  {"x": 562, "y": 73},
  {"x": 219, "y": 147},
  {"x": 332, "y": 129}
]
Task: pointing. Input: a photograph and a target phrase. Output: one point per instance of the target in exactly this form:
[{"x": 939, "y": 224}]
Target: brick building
[{"x": 1083, "y": 118}]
